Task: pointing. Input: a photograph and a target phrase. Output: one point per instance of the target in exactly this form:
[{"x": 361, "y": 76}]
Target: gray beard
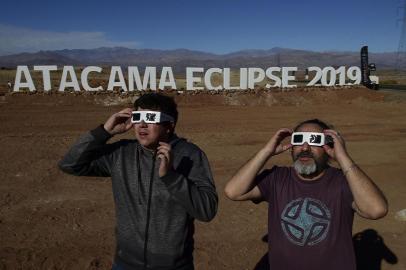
[{"x": 305, "y": 169}]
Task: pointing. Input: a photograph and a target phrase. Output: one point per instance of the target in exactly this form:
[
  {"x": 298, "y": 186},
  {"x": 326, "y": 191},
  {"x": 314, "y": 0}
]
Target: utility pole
[{"x": 401, "y": 56}]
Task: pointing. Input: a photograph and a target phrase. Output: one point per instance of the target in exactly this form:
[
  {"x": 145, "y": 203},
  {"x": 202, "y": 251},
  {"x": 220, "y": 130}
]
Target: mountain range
[{"x": 179, "y": 59}]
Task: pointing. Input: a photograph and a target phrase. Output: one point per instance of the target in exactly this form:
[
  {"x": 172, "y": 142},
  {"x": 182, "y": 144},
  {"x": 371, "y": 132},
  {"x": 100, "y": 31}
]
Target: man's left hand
[
  {"x": 338, "y": 152},
  {"x": 164, "y": 154}
]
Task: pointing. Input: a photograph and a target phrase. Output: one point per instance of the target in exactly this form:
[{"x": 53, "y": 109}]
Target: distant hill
[{"x": 179, "y": 59}]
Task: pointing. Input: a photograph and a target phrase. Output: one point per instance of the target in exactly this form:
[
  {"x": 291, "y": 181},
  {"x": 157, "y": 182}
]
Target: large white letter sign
[
  {"x": 167, "y": 72},
  {"x": 112, "y": 80},
  {"x": 190, "y": 80},
  {"x": 28, "y": 84},
  {"x": 64, "y": 83},
  {"x": 46, "y": 77},
  {"x": 85, "y": 82},
  {"x": 207, "y": 79},
  {"x": 286, "y": 77}
]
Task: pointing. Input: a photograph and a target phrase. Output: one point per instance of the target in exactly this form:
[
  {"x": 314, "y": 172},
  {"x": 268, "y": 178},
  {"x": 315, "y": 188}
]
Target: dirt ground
[{"x": 50, "y": 220}]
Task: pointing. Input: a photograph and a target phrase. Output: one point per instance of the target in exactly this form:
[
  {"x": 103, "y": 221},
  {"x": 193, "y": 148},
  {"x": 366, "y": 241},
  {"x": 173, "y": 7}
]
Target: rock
[{"x": 401, "y": 215}]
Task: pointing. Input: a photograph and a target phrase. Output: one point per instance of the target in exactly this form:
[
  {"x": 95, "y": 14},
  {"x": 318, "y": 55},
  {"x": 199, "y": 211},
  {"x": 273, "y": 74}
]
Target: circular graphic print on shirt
[{"x": 305, "y": 221}]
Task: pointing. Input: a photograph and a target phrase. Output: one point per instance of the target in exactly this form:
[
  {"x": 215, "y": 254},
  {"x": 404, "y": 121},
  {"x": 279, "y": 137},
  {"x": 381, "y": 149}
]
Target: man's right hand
[
  {"x": 242, "y": 185},
  {"x": 119, "y": 122},
  {"x": 274, "y": 146}
]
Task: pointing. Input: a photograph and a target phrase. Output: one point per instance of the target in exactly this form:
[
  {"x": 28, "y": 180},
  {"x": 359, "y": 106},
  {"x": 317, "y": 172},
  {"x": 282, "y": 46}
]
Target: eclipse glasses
[
  {"x": 150, "y": 117},
  {"x": 311, "y": 138}
]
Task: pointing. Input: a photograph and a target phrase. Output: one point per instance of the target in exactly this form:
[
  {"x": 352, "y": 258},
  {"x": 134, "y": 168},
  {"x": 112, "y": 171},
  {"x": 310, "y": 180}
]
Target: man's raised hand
[
  {"x": 275, "y": 146},
  {"x": 338, "y": 152},
  {"x": 119, "y": 122},
  {"x": 164, "y": 154}
]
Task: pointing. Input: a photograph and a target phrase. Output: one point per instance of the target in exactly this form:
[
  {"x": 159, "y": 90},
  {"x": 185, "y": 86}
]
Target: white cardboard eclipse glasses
[
  {"x": 150, "y": 117},
  {"x": 311, "y": 138}
]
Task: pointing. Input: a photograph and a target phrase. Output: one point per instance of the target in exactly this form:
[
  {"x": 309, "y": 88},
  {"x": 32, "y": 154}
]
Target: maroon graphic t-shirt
[{"x": 309, "y": 222}]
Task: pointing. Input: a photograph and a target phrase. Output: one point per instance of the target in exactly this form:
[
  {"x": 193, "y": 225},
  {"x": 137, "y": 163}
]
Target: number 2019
[{"x": 330, "y": 76}]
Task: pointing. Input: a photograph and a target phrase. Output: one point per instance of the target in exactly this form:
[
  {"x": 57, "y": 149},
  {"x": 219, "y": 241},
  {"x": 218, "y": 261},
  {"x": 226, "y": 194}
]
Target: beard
[
  {"x": 305, "y": 169},
  {"x": 313, "y": 166}
]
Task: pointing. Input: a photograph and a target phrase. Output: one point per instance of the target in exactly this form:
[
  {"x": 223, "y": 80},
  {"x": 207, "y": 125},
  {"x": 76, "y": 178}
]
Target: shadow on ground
[{"x": 370, "y": 251}]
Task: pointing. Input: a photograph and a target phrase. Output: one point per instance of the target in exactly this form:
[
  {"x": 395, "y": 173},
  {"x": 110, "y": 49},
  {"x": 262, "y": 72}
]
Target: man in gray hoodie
[{"x": 160, "y": 182}]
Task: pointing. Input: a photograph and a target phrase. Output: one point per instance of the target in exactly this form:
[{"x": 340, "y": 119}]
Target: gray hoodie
[{"x": 154, "y": 216}]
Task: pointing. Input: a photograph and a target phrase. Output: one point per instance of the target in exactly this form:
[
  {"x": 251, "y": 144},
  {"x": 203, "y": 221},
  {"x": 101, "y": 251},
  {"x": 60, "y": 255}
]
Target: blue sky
[{"x": 211, "y": 26}]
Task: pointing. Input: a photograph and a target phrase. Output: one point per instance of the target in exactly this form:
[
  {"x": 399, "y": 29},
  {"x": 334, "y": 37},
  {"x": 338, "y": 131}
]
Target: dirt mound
[{"x": 274, "y": 97}]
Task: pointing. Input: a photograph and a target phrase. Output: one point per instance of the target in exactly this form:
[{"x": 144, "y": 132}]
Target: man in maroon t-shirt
[{"x": 311, "y": 205}]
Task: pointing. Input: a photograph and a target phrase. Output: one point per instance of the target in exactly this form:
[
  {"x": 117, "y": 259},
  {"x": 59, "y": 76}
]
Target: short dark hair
[
  {"x": 158, "y": 102},
  {"x": 315, "y": 121}
]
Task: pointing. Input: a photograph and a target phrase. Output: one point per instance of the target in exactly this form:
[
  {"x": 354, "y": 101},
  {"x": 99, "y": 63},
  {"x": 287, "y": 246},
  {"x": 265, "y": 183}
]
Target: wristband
[{"x": 350, "y": 168}]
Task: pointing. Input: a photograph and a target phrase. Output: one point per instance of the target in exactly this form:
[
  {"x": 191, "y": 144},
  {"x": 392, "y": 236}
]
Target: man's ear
[{"x": 171, "y": 128}]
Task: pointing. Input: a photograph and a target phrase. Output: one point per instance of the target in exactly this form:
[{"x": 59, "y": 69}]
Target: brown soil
[{"x": 50, "y": 220}]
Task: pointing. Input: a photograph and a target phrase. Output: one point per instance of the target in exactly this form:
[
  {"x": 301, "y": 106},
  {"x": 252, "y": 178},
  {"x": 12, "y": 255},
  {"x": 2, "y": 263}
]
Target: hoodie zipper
[
  {"x": 149, "y": 211},
  {"x": 149, "y": 201}
]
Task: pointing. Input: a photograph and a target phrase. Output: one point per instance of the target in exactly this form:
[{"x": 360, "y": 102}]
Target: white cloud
[{"x": 17, "y": 39}]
